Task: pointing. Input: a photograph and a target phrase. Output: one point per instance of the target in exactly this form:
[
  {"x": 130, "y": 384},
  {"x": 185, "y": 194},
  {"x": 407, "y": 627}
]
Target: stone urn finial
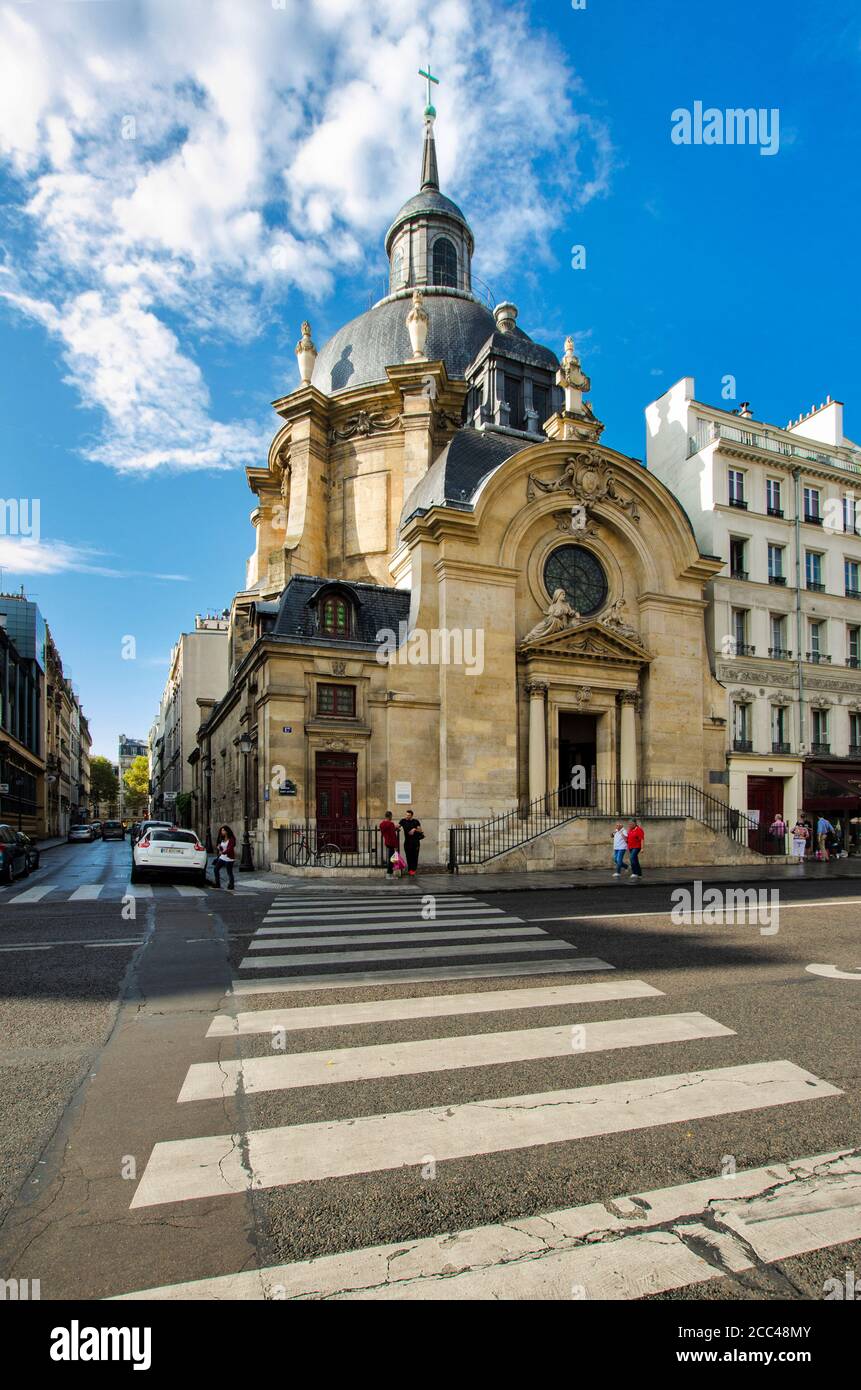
[
  {"x": 417, "y": 325},
  {"x": 306, "y": 354},
  {"x": 572, "y": 379}
]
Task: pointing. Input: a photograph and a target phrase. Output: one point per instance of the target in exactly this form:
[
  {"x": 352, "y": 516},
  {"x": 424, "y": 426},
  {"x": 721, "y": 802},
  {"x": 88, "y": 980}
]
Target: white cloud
[
  {"x": 21, "y": 555},
  {"x": 183, "y": 168}
]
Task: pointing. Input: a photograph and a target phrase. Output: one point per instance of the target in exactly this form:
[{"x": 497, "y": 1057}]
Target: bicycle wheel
[
  {"x": 330, "y": 856},
  {"x": 296, "y": 853}
]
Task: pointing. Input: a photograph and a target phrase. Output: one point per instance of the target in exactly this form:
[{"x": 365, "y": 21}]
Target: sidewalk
[{"x": 439, "y": 881}]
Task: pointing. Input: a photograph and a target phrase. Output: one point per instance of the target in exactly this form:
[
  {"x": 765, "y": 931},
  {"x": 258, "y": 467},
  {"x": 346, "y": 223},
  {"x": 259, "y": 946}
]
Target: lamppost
[
  {"x": 207, "y": 773},
  {"x": 246, "y": 863}
]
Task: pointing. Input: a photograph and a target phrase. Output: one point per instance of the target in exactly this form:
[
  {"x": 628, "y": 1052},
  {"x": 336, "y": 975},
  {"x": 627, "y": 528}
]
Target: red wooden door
[
  {"x": 765, "y": 794},
  {"x": 336, "y": 799}
]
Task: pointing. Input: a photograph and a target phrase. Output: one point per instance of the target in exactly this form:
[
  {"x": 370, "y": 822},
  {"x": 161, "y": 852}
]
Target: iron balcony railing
[
  {"x": 479, "y": 842},
  {"x": 708, "y": 431}
]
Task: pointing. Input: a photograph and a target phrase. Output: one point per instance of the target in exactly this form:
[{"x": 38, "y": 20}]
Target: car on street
[
  {"x": 31, "y": 849},
  {"x": 143, "y": 826},
  {"x": 113, "y": 830},
  {"x": 96, "y": 827},
  {"x": 164, "y": 849},
  {"x": 80, "y": 832},
  {"x": 13, "y": 855}
]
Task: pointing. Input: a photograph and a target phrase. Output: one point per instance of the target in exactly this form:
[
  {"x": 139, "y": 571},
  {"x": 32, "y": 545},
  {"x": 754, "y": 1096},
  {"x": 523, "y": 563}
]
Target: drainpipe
[{"x": 799, "y": 621}]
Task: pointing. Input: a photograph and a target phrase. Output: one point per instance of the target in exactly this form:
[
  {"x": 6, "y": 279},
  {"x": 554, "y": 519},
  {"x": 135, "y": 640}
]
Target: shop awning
[{"x": 832, "y": 789}]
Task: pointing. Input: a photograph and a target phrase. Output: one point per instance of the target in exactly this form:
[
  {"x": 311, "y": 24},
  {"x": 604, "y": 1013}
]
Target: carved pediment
[{"x": 590, "y": 641}]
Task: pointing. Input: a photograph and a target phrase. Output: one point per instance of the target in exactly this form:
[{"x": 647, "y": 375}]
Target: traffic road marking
[
  {"x": 352, "y": 979},
  {"x": 88, "y": 892},
  {"x": 832, "y": 973},
  {"x": 401, "y": 953},
  {"x": 213, "y": 1080},
  {"x": 308, "y": 937},
  {"x": 185, "y": 1169},
  {"x": 429, "y": 1006}
]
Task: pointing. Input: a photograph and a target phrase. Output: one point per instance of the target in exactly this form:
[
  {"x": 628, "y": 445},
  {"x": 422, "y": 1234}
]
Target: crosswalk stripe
[
  {"x": 213, "y": 1080},
  {"x": 509, "y": 948},
  {"x": 183, "y": 1169},
  {"x": 187, "y": 890},
  {"x": 138, "y": 890},
  {"x": 378, "y": 910},
  {"x": 33, "y": 895},
  {"x": 347, "y": 923},
  {"x": 429, "y": 1006},
  {"x": 288, "y": 984},
  {"x": 387, "y": 895},
  {"x": 630, "y": 1247},
  {"x": 387, "y": 938},
  {"x": 384, "y": 924},
  {"x": 88, "y": 892}
]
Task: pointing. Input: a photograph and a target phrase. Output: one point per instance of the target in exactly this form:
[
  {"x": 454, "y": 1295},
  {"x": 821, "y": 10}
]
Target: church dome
[
  {"x": 358, "y": 354},
  {"x": 429, "y": 202}
]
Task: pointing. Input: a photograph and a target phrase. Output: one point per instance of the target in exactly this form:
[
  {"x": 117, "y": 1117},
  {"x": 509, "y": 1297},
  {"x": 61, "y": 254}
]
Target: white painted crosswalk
[
  {"x": 318, "y": 944},
  {"x": 115, "y": 891}
]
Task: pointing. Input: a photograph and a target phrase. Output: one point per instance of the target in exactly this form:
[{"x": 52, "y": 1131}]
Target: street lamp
[
  {"x": 207, "y": 773},
  {"x": 246, "y": 863}
]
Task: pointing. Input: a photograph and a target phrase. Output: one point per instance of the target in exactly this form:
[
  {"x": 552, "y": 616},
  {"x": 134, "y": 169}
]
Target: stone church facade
[{"x": 458, "y": 593}]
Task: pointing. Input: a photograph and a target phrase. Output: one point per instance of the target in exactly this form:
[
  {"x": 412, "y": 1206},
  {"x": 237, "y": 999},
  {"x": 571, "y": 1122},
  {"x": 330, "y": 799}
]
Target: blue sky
[{"x": 183, "y": 183}]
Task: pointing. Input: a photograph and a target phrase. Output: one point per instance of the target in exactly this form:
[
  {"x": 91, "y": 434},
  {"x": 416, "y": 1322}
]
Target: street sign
[
  {"x": 287, "y": 788},
  {"x": 286, "y": 728},
  {"x": 4, "y": 788}
]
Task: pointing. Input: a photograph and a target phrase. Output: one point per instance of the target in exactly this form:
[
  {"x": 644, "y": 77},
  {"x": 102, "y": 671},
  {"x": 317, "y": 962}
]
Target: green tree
[
  {"x": 104, "y": 783},
  {"x": 136, "y": 783}
]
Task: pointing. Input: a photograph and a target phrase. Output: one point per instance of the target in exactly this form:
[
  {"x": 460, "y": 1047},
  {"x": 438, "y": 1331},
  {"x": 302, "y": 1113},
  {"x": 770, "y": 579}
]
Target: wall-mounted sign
[
  {"x": 287, "y": 788},
  {"x": 4, "y": 788},
  {"x": 403, "y": 793},
  {"x": 286, "y": 728}
]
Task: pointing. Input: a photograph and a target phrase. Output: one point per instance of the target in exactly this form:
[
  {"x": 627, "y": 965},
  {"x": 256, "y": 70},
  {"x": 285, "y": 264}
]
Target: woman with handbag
[{"x": 413, "y": 836}]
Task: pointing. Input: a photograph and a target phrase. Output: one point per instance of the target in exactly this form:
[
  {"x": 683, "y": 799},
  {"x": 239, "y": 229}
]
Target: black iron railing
[
  {"x": 479, "y": 842},
  {"x": 343, "y": 844}
]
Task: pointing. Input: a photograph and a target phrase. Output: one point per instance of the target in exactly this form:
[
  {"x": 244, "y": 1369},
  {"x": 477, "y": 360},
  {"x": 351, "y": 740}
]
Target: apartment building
[
  {"x": 782, "y": 508},
  {"x": 198, "y": 671}
]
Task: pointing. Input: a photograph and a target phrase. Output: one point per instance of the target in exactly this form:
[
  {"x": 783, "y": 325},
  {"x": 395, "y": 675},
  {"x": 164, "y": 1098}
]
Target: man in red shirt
[
  {"x": 389, "y": 832},
  {"x": 635, "y": 844}
]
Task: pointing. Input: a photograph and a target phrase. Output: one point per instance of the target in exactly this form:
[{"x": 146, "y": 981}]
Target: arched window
[
  {"x": 335, "y": 616},
  {"x": 444, "y": 263},
  {"x": 397, "y": 268}
]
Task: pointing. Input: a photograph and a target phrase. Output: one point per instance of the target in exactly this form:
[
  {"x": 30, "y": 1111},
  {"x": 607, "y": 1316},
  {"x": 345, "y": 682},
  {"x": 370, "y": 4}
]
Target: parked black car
[
  {"x": 113, "y": 830},
  {"x": 13, "y": 855},
  {"x": 32, "y": 850}
]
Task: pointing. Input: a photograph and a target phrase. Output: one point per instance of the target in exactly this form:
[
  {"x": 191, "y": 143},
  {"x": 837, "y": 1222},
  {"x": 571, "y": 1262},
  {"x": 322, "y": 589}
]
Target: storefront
[{"x": 833, "y": 790}]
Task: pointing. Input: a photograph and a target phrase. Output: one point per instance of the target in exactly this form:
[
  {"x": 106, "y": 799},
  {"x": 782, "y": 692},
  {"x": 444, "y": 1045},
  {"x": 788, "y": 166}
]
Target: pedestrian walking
[
  {"x": 620, "y": 848},
  {"x": 225, "y": 856},
  {"x": 777, "y": 832},
  {"x": 413, "y": 836},
  {"x": 824, "y": 833},
  {"x": 636, "y": 839},
  {"x": 800, "y": 837},
  {"x": 389, "y": 832}
]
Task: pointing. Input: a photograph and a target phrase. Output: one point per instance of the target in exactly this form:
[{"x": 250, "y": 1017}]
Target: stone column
[
  {"x": 629, "y": 702},
  {"x": 537, "y": 692}
]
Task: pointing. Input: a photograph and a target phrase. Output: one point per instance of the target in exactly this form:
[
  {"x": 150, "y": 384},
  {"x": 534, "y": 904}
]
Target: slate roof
[
  {"x": 470, "y": 456},
  {"x": 519, "y": 346},
  {"x": 429, "y": 200},
  {"x": 376, "y": 608},
  {"x": 358, "y": 354}
]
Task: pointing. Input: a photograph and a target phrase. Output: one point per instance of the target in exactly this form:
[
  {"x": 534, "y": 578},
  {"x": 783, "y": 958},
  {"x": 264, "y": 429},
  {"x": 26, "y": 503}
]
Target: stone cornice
[
  {"x": 451, "y": 568},
  {"x": 306, "y": 400}
]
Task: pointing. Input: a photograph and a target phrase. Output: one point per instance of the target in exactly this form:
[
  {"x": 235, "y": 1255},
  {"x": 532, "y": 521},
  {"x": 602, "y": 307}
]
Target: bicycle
[{"x": 300, "y": 852}]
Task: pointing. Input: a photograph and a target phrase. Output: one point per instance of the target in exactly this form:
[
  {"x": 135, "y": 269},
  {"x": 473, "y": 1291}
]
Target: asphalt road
[{"x": 100, "y": 1040}]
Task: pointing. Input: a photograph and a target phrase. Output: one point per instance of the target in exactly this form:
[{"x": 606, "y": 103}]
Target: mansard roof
[
  {"x": 468, "y": 458},
  {"x": 376, "y": 608}
]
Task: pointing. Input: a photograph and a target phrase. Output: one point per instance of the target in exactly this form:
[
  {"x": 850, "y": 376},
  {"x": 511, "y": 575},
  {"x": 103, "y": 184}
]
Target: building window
[
  {"x": 811, "y": 505},
  {"x": 444, "y": 263},
  {"x": 855, "y": 734},
  {"x": 850, "y": 523},
  {"x": 580, "y": 575},
  {"x": 853, "y": 646},
  {"x": 820, "y": 731},
  {"x": 336, "y": 701},
  {"x": 739, "y": 631},
  {"x": 817, "y": 642},
  {"x": 736, "y": 488},
  {"x": 335, "y": 617},
  {"x": 778, "y": 636},
  {"x": 514, "y": 397},
  {"x": 737, "y": 557},
  {"x": 397, "y": 268},
  {"x": 779, "y": 743},
  {"x": 773, "y": 497},
  {"x": 775, "y": 564},
  {"x": 741, "y": 728},
  {"x": 541, "y": 402},
  {"x": 813, "y": 570},
  {"x": 852, "y": 575}
]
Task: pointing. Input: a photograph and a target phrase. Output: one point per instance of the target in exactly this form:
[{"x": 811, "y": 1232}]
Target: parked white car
[{"x": 168, "y": 850}]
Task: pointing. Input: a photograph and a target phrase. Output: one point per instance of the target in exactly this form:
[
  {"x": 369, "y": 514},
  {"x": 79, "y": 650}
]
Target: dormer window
[
  {"x": 335, "y": 617},
  {"x": 444, "y": 263}
]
